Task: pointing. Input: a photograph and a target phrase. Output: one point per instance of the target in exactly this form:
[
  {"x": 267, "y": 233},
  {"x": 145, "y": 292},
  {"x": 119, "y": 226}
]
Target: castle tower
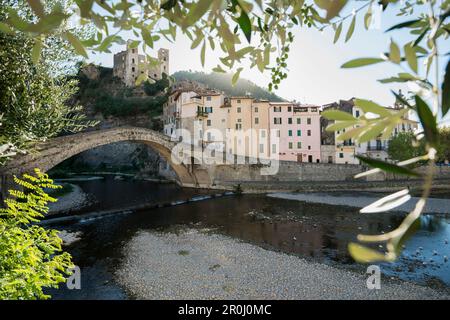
[{"x": 163, "y": 57}]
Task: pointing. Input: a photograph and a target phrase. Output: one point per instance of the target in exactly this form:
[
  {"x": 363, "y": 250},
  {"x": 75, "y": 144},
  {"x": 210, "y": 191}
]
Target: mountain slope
[{"x": 222, "y": 81}]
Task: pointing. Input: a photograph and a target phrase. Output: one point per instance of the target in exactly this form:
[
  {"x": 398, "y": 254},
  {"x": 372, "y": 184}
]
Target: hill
[{"x": 222, "y": 81}]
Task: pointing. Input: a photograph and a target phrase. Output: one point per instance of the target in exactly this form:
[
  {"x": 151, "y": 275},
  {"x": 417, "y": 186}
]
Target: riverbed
[{"x": 230, "y": 237}]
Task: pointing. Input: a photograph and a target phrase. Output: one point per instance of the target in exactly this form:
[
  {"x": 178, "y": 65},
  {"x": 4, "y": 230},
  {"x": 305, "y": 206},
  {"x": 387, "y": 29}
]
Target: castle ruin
[{"x": 129, "y": 64}]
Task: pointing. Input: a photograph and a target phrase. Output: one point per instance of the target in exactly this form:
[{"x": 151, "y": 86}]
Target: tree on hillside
[
  {"x": 261, "y": 32},
  {"x": 222, "y": 82}
]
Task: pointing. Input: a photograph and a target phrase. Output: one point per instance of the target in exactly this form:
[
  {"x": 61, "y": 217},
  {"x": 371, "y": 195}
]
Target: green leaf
[
  {"x": 370, "y": 106},
  {"x": 411, "y": 58},
  {"x": 245, "y": 24},
  {"x": 5, "y": 28},
  {"x": 368, "y": 18},
  {"x": 169, "y": 4},
  {"x": 403, "y": 25},
  {"x": 37, "y": 7},
  {"x": 36, "y": 51},
  {"x": 351, "y": 134},
  {"x": 202, "y": 54},
  {"x": 402, "y": 100},
  {"x": 333, "y": 7},
  {"x": 363, "y": 254},
  {"x": 387, "y": 167},
  {"x": 198, "y": 10},
  {"x": 76, "y": 44},
  {"x": 428, "y": 120},
  {"x": 360, "y": 62},
  {"x": 338, "y": 115},
  {"x": 337, "y": 33},
  {"x": 420, "y": 37},
  {"x": 394, "y": 53},
  {"x": 373, "y": 132},
  {"x": 339, "y": 125},
  {"x": 236, "y": 77},
  {"x": 446, "y": 91},
  {"x": 351, "y": 29}
]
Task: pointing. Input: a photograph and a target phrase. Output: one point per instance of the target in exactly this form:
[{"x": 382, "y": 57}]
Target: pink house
[{"x": 298, "y": 129}]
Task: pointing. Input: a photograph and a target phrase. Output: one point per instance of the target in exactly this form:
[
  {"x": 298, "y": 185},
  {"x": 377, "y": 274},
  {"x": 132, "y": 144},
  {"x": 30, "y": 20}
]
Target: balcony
[
  {"x": 376, "y": 148},
  {"x": 202, "y": 114}
]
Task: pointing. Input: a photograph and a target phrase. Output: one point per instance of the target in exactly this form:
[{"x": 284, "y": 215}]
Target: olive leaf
[
  {"x": 428, "y": 120},
  {"x": 360, "y": 62},
  {"x": 446, "y": 91},
  {"x": 387, "y": 203},
  {"x": 370, "y": 106},
  {"x": 365, "y": 255},
  {"x": 338, "y": 115},
  {"x": 351, "y": 29},
  {"x": 388, "y": 167},
  {"x": 411, "y": 58},
  {"x": 337, "y": 33}
]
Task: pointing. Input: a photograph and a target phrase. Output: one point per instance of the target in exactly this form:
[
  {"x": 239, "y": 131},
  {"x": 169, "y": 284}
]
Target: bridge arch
[{"x": 59, "y": 149}]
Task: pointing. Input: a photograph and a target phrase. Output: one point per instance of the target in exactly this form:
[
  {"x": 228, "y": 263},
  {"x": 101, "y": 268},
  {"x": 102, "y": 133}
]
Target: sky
[{"x": 314, "y": 76}]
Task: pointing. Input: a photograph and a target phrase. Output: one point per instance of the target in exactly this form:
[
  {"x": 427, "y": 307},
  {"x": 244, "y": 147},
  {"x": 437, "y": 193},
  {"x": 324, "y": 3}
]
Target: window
[
  {"x": 238, "y": 101},
  {"x": 256, "y": 120},
  {"x": 208, "y": 109},
  {"x": 132, "y": 61},
  {"x": 309, "y": 133},
  {"x": 330, "y": 159},
  {"x": 239, "y": 109},
  {"x": 276, "y": 109},
  {"x": 209, "y": 136},
  {"x": 290, "y": 133},
  {"x": 341, "y": 155},
  {"x": 278, "y": 133},
  {"x": 132, "y": 51},
  {"x": 261, "y": 148},
  {"x": 357, "y": 113},
  {"x": 238, "y": 126},
  {"x": 133, "y": 69},
  {"x": 289, "y": 109},
  {"x": 290, "y": 145},
  {"x": 256, "y": 109},
  {"x": 208, "y": 98},
  {"x": 263, "y": 133},
  {"x": 274, "y": 148},
  {"x": 289, "y": 120},
  {"x": 299, "y": 145},
  {"x": 299, "y": 121},
  {"x": 208, "y": 122},
  {"x": 299, "y": 133},
  {"x": 276, "y": 120},
  {"x": 309, "y": 147},
  {"x": 308, "y": 120}
]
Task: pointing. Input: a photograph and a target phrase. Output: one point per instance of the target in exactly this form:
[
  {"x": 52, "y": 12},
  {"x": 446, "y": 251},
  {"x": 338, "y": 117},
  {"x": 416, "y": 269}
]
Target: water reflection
[{"x": 314, "y": 231}]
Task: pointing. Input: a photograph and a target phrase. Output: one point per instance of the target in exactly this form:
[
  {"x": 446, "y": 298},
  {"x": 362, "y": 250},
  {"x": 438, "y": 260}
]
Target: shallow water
[{"x": 313, "y": 231}]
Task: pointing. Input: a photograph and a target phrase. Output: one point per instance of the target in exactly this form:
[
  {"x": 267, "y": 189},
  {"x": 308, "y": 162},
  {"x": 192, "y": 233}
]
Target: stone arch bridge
[{"x": 58, "y": 149}]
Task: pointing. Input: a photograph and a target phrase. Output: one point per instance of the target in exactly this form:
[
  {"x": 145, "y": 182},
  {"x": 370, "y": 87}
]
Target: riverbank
[
  {"x": 192, "y": 264},
  {"x": 433, "y": 205},
  {"x": 74, "y": 200}
]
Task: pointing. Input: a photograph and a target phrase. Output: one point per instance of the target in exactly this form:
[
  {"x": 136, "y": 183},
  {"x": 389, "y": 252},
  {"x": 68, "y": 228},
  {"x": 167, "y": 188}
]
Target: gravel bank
[
  {"x": 433, "y": 205},
  {"x": 73, "y": 200},
  {"x": 195, "y": 265}
]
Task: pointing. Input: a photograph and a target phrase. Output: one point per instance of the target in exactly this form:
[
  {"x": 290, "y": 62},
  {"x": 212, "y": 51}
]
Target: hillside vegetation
[{"x": 222, "y": 81}]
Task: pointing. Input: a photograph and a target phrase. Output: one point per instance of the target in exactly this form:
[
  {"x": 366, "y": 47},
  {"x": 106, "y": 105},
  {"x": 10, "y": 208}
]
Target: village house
[{"x": 346, "y": 151}]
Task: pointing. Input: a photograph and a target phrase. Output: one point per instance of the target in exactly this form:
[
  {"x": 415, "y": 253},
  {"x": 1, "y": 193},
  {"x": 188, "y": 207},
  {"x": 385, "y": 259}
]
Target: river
[{"x": 313, "y": 231}]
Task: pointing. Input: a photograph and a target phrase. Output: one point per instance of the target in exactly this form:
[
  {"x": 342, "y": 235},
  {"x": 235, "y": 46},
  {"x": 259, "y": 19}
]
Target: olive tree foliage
[
  {"x": 261, "y": 31},
  {"x": 31, "y": 256},
  {"x": 33, "y": 97}
]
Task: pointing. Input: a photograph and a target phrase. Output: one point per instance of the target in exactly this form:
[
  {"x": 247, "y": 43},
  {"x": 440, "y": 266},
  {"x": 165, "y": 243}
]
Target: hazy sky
[{"x": 314, "y": 63}]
